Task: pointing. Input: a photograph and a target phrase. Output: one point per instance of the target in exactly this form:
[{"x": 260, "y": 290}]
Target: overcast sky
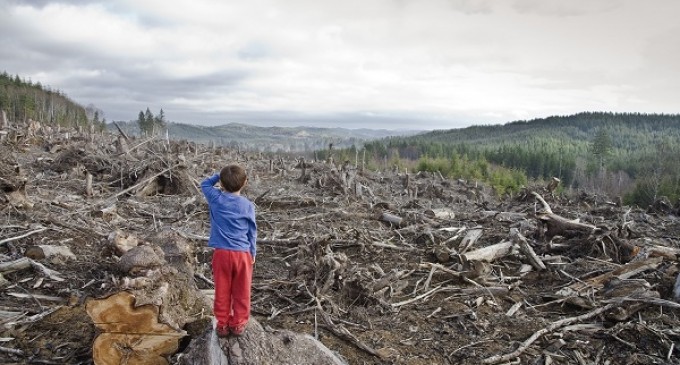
[{"x": 425, "y": 64}]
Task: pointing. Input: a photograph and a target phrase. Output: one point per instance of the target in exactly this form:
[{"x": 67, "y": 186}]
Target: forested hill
[
  {"x": 586, "y": 149},
  {"x": 626, "y": 131},
  {"x": 23, "y": 99}
]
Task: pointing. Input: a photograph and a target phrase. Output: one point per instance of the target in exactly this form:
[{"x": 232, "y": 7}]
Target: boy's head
[{"x": 233, "y": 178}]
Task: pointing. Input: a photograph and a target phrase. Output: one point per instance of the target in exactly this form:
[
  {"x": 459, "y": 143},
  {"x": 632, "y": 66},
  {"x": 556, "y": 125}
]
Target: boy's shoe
[
  {"x": 238, "y": 330},
  {"x": 223, "y": 331}
]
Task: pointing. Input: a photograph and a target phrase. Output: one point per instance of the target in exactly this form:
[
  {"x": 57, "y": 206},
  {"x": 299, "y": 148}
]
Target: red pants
[{"x": 233, "y": 274}]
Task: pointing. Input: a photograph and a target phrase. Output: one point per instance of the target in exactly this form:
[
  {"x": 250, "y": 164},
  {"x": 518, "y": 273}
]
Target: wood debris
[{"x": 379, "y": 266}]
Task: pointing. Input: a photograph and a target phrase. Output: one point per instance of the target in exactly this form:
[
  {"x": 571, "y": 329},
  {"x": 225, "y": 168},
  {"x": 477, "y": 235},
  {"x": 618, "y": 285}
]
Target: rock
[
  {"x": 258, "y": 346},
  {"x": 141, "y": 258}
]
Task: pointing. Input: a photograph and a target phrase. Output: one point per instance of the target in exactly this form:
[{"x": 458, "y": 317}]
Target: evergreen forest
[
  {"x": 631, "y": 155},
  {"x": 23, "y": 100}
]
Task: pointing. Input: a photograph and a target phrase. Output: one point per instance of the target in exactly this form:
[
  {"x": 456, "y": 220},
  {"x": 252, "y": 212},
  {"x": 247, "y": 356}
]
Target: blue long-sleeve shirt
[{"x": 232, "y": 219}]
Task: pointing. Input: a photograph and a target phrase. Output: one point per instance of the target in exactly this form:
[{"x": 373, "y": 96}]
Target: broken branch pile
[{"x": 379, "y": 266}]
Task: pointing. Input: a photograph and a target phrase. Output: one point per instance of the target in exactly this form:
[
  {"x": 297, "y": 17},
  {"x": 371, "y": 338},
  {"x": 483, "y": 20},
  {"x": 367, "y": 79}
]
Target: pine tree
[
  {"x": 149, "y": 121},
  {"x": 159, "y": 120},
  {"x": 143, "y": 126},
  {"x": 602, "y": 146}
]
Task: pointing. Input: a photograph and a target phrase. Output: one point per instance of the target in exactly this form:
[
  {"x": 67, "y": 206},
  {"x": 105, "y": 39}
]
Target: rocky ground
[{"x": 382, "y": 267}]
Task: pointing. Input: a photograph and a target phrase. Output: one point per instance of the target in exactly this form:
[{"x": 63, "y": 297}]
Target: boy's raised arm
[{"x": 208, "y": 187}]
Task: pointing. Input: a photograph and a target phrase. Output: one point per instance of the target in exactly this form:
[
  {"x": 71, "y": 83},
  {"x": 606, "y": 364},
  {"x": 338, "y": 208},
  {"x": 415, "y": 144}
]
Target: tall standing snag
[{"x": 3, "y": 119}]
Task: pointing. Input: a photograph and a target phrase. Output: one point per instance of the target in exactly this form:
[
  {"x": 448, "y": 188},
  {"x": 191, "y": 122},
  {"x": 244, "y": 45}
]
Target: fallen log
[
  {"x": 491, "y": 253},
  {"x": 510, "y": 216},
  {"x": 526, "y": 249},
  {"x": 442, "y": 213},
  {"x": 474, "y": 260},
  {"x": 25, "y": 263},
  {"x": 655, "y": 250},
  {"x": 623, "y": 272},
  {"x": 49, "y": 252},
  {"x": 469, "y": 240},
  {"x": 392, "y": 219},
  {"x": 558, "y": 225},
  {"x": 38, "y": 297}
]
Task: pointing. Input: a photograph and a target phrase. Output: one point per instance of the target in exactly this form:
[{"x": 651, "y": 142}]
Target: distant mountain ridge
[{"x": 270, "y": 139}]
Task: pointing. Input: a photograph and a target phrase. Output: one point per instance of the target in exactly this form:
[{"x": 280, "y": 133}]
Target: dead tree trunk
[
  {"x": 3, "y": 119},
  {"x": 558, "y": 225},
  {"x": 122, "y": 145},
  {"x": 491, "y": 253},
  {"x": 303, "y": 175},
  {"x": 552, "y": 185},
  {"x": 88, "y": 185}
]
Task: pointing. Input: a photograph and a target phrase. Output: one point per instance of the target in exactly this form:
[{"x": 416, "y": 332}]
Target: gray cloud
[
  {"x": 43, "y": 3},
  {"x": 434, "y": 64},
  {"x": 254, "y": 51},
  {"x": 472, "y": 6},
  {"x": 561, "y": 8}
]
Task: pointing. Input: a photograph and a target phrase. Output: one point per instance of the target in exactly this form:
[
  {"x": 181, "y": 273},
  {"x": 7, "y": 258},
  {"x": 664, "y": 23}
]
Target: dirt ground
[{"x": 324, "y": 245}]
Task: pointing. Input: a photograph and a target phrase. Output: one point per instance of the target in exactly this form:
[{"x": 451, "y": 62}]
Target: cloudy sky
[{"x": 390, "y": 64}]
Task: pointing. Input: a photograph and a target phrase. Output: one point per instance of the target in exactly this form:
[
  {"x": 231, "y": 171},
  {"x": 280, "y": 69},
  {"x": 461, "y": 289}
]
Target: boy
[{"x": 233, "y": 234}]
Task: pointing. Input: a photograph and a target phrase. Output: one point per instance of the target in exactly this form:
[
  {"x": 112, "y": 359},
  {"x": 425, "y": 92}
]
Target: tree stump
[
  {"x": 12, "y": 181},
  {"x": 257, "y": 346},
  {"x": 130, "y": 335},
  {"x": 143, "y": 324}
]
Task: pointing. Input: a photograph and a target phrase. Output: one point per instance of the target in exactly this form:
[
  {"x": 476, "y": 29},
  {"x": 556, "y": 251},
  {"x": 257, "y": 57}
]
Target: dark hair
[{"x": 233, "y": 178}]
